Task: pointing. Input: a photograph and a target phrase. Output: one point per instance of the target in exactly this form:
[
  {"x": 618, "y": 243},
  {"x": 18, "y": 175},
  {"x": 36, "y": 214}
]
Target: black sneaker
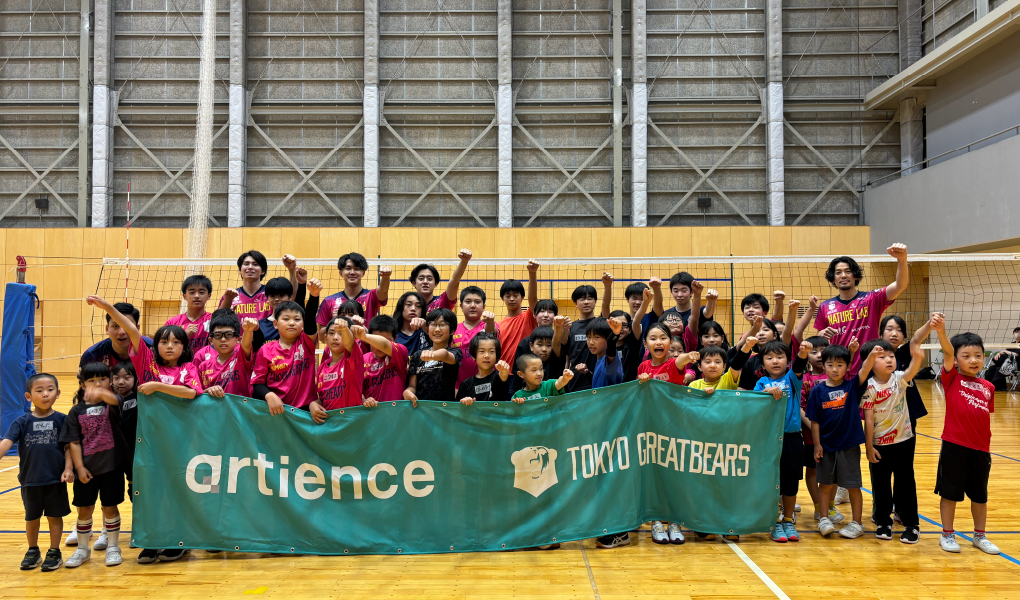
[
  {"x": 53, "y": 560},
  {"x": 33, "y": 558},
  {"x": 705, "y": 536},
  {"x": 613, "y": 540},
  {"x": 884, "y": 532},
  {"x": 172, "y": 554},
  {"x": 147, "y": 557},
  {"x": 911, "y": 535}
]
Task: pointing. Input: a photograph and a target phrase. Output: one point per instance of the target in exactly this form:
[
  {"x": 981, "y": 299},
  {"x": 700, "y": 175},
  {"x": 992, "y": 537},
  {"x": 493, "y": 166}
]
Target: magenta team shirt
[
  {"x": 147, "y": 369},
  {"x": 461, "y": 339},
  {"x": 256, "y": 307},
  {"x": 368, "y": 299},
  {"x": 440, "y": 301},
  {"x": 201, "y": 337},
  {"x": 339, "y": 385},
  {"x": 386, "y": 377},
  {"x": 234, "y": 376},
  {"x": 289, "y": 372},
  {"x": 858, "y": 318}
]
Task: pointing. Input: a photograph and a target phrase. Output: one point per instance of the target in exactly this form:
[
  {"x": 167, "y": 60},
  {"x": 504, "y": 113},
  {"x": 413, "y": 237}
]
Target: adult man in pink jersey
[
  {"x": 853, "y": 314},
  {"x": 250, "y": 300}
]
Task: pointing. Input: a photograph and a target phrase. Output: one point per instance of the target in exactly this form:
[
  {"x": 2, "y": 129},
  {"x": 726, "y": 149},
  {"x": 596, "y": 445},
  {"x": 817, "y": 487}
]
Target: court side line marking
[
  {"x": 992, "y": 453},
  {"x": 591, "y": 576},
  {"x": 10, "y": 490},
  {"x": 9, "y": 468},
  {"x": 757, "y": 571}
]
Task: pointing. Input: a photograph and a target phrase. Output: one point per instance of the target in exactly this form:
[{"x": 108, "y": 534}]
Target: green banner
[{"x": 224, "y": 474}]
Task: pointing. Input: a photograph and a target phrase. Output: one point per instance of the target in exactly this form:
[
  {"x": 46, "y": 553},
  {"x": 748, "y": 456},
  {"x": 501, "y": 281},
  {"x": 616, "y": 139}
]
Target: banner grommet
[
  {"x": 237, "y": 547},
  {"x": 180, "y": 544},
  {"x": 495, "y": 403},
  {"x": 451, "y": 547},
  {"x": 346, "y": 551},
  {"x": 399, "y": 550},
  {"x": 394, "y": 404},
  {"x": 554, "y": 539},
  {"x": 341, "y": 412},
  {"x": 444, "y": 404},
  {"x": 139, "y": 439},
  {"x": 502, "y": 545},
  {"x": 291, "y": 549}
]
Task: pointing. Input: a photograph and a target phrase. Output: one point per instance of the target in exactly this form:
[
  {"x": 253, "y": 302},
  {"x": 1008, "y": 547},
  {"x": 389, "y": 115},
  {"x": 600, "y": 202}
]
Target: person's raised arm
[
  {"x": 248, "y": 328},
  {"x": 938, "y": 323},
  {"x": 686, "y": 358},
  {"x": 564, "y": 379},
  {"x": 805, "y": 319},
  {"x": 346, "y": 336},
  {"x": 126, "y": 323},
  {"x": 559, "y": 326},
  {"x": 866, "y": 366},
  {"x": 291, "y": 265},
  {"x": 616, "y": 326},
  {"x": 744, "y": 352},
  {"x": 312, "y": 307},
  {"x": 489, "y": 318},
  {"x": 454, "y": 285},
  {"x": 607, "y": 294},
  {"x": 102, "y": 395},
  {"x": 656, "y": 284},
  {"x": 376, "y": 341},
  {"x": 635, "y": 324},
  {"x": 532, "y": 284},
  {"x": 916, "y": 356},
  {"x": 800, "y": 363},
  {"x": 777, "y": 305},
  {"x": 382, "y": 291},
  {"x": 894, "y": 289},
  {"x": 697, "y": 288},
  {"x": 179, "y": 391},
  {"x": 443, "y": 356},
  {"x": 791, "y": 317}
]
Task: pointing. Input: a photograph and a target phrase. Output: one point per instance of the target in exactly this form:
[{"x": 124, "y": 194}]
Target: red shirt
[
  {"x": 462, "y": 339},
  {"x": 200, "y": 338},
  {"x": 385, "y": 379},
  {"x": 667, "y": 371},
  {"x": 148, "y": 370},
  {"x": 512, "y": 330},
  {"x": 969, "y": 404},
  {"x": 339, "y": 385},
  {"x": 288, "y": 372},
  {"x": 234, "y": 376}
]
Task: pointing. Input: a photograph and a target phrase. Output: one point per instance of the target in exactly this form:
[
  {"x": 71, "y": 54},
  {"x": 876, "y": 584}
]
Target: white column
[
  {"x": 104, "y": 105},
  {"x": 638, "y": 115},
  {"x": 84, "y": 50},
  {"x": 505, "y": 113},
  {"x": 776, "y": 193},
  {"x": 237, "y": 158},
  {"x": 911, "y": 136},
  {"x": 372, "y": 114},
  {"x": 617, "y": 76}
]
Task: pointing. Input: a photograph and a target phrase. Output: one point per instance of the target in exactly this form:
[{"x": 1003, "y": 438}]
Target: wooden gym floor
[{"x": 754, "y": 567}]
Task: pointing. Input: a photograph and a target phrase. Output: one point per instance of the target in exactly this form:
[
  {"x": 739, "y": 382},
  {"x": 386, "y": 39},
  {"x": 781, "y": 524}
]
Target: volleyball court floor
[{"x": 753, "y": 567}]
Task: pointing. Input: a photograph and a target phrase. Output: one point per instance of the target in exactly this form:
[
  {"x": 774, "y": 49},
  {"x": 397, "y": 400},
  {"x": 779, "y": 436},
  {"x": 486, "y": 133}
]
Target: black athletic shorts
[
  {"x": 963, "y": 470},
  {"x": 809, "y": 457},
  {"x": 45, "y": 500},
  {"x": 108, "y": 487},
  {"x": 791, "y": 469}
]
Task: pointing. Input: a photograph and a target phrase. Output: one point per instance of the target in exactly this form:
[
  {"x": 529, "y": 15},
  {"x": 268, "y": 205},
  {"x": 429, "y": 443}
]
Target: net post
[{"x": 733, "y": 301}]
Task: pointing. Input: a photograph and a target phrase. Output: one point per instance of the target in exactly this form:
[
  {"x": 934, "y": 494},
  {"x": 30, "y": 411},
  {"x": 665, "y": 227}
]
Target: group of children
[{"x": 261, "y": 342}]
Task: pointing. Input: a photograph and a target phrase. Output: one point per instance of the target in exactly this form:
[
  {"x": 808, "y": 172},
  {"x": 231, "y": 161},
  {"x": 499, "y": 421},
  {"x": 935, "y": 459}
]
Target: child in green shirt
[{"x": 530, "y": 370}]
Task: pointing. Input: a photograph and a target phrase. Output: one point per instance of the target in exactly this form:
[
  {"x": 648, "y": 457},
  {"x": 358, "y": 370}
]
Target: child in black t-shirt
[
  {"x": 432, "y": 374},
  {"x": 97, "y": 448},
  {"x": 45, "y": 469},
  {"x": 125, "y": 384},
  {"x": 492, "y": 381}
]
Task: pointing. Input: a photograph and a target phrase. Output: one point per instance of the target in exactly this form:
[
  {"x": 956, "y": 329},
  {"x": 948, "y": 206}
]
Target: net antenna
[
  {"x": 22, "y": 268},
  {"x": 198, "y": 222}
]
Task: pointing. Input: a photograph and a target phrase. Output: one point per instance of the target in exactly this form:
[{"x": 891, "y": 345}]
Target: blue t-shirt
[
  {"x": 102, "y": 351},
  {"x": 40, "y": 454},
  {"x": 607, "y": 373},
  {"x": 417, "y": 341},
  {"x": 790, "y": 385},
  {"x": 836, "y": 411}
]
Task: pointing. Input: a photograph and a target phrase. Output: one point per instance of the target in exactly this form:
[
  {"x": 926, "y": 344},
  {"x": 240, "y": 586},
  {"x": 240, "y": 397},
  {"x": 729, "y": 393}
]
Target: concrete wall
[
  {"x": 976, "y": 100},
  {"x": 971, "y": 199}
]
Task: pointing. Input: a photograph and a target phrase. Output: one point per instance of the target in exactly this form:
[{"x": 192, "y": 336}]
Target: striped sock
[
  {"x": 979, "y": 533},
  {"x": 948, "y": 531},
  {"x": 84, "y": 533},
  {"x": 113, "y": 531}
]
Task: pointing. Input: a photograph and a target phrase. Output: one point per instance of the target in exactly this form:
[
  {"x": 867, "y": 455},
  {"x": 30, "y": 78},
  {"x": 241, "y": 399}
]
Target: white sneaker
[
  {"x": 72, "y": 538},
  {"x": 113, "y": 557},
  {"x": 796, "y": 508},
  {"x": 659, "y": 535},
  {"x": 842, "y": 496},
  {"x": 675, "y": 535},
  {"x": 982, "y": 544},
  {"x": 825, "y": 527},
  {"x": 853, "y": 530},
  {"x": 948, "y": 542},
  {"x": 102, "y": 542},
  {"x": 80, "y": 557}
]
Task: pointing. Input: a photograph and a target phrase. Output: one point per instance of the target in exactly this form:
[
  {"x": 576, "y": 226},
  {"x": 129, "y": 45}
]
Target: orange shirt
[{"x": 511, "y": 331}]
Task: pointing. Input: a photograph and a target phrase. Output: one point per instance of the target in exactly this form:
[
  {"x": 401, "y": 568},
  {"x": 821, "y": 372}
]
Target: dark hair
[
  {"x": 835, "y": 352},
  {"x": 755, "y": 298},
  {"x": 966, "y": 339},
  {"x": 356, "y": 259},
  {"x": 37, "y": 377},
  {"x": 598, "y": 326},
  {"x": 333, "y": 320},
  {"x": 224, "y": 317},
  {"x": 351, "y": 307},
  {"x": 384, "y": 323},
  {"x": 128, "y": 366},
  {"x": 510, "y": 286},
  {"x": 635, "y": 289},
  {"x": 855, "y": 269},
  {"x": 398, "y": 310},
  {"x": 680, "y": 340},
  {"x": 187, "y": 354},
  {"x": 91, "y": 371},
  {"x": 624, "y": 315},
  {"x": 484, "y": 337},
  {"x": 818, "y": 341},
  {"x": 419, "y": 269},
  {"x": 769, "y": 324},
  {"x": 870, "y": 346},
  {"x": 682, "y": 278},
  {"x": 288, "y": 305},
  {"x": 279, "y": 286},
  {"x": 445, "y": 314},
  {"x": 704, "y": 328},
  {"x": 1016, "y": 329},
  {"x": 522, "y": 361},
  {"x": 584, "y": 291},
  {"x": 476, "y": 291},
  {"x": 542, "y": 333},
  {"x": 201, "y": 280},
  {"x": 657, "y": 326},
  {"x": 551, "y": 306},
  {"x": 775, "y": 347},
  {"x": 670, "y": 315},
  {"x": 258, "y": 257},
  {"x": 895, "y": 319},
  {"x": 125, "y": 308},
  {"x": 712, "y": 351}
]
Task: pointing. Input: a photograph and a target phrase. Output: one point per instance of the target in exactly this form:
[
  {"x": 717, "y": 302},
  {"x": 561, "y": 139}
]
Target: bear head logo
[{"x": 534, "y": 469}]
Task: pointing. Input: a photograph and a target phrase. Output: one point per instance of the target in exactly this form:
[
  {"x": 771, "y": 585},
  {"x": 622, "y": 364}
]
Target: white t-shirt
[{"x": 892, "y": 417}]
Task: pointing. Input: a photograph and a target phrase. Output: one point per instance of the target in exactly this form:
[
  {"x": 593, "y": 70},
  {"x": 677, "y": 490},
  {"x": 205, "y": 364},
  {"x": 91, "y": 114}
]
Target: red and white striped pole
[{"x": 127, "y": 243}]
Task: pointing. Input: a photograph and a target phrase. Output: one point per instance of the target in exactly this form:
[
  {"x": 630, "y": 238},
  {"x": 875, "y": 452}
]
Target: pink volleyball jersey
[
  {"x": 857, "y": 318},
  {"x": 461, "y": 339},
  {"x": 440, "y": 301},
  {"x": 338, "y": 385},
  {"x": 147, "y": 370},
  {"x": 200, "y": 339},
  {"x": 255, "y": 306},
  {"x": 386, "y": 377},
  {"x": 368, "y": 299},
  {"x": 288, "y": 372},
  {"x": 234, "y": 375}
]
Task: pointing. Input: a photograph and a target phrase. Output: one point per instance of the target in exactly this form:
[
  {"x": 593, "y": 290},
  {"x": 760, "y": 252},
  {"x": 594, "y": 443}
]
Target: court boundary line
[
  {"x": 9, "y": 468},
  {"x": 757, "y": 571},
  {"x": 591, "y": 575},
  {"x": 992, "y": 453}
]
